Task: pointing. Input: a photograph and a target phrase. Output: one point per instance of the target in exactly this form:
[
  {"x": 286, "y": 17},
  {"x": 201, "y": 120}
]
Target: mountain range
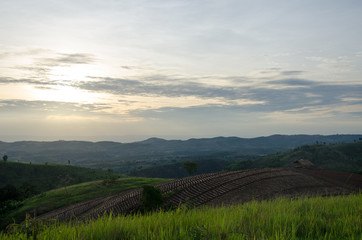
[{"x": 124, "y": 157}]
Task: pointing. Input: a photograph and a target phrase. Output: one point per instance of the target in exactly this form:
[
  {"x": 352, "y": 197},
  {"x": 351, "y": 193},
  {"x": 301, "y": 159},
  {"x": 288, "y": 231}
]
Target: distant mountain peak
[{"x": 154, "y": 140}]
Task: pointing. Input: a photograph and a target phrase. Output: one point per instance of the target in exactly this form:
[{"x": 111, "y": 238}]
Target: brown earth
[{"x": 223, "y": 188}]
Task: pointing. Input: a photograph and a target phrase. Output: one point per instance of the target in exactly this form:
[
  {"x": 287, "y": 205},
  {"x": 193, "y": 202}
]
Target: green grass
[
  {"x": 64, "y": 196},
  {"x": 305, "y": 218}
]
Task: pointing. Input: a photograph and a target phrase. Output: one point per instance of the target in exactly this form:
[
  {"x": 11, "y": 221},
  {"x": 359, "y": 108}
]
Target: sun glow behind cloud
[
  {"x": 73, "y": 73},
  {"x": 64, "y": 94}
]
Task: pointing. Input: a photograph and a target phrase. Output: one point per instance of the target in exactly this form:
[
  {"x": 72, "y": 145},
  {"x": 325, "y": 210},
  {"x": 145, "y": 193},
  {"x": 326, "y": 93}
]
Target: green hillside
[
  {"x": 340, "y": 157},
  {"x": 57, "y": 198},
  {"x": 44, "y": 177}
]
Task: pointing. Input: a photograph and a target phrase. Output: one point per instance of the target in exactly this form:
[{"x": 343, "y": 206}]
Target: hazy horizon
[
  {"x": 132, "y": 139},
  {"x": 128, "y": 70}
]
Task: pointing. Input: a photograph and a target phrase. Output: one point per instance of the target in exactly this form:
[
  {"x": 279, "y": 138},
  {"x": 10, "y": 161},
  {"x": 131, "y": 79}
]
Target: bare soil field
[{"x": 223, "y": 188}]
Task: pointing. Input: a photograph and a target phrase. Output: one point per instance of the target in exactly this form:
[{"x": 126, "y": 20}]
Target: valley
[
  {"x": 127, "y": 158},
  {"x": 229, "y": 172}
]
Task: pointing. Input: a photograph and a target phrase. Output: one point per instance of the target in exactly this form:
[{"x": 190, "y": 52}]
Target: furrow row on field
[
  {"x": 121, "y": 203},
  {"x": 239, "y": 184},
  {"x": 209, "y": 189},
  {"x": 124, "y": 203}
]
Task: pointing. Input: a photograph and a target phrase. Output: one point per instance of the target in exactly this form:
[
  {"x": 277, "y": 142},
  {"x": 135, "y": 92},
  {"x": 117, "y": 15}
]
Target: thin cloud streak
[
  {"x": 289, "y": 93},
  {"x": 44, "y": 107},
  {"x": 66, "y": 59},
  {"x": 275, "y": 95}
]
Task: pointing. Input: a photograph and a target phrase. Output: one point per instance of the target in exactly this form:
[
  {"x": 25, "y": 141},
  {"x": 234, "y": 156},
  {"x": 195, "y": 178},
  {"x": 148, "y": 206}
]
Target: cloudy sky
[{"x": 132, "y": 69}]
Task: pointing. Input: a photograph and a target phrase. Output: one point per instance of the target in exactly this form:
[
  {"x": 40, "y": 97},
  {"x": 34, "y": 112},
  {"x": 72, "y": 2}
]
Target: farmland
[
  {"x": 222, "y": 188},
  {"x": 271, "y": 203},
  {"x": 67, "y": 195}
]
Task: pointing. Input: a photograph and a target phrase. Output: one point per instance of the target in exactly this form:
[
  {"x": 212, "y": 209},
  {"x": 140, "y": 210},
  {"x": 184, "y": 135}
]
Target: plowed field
[{"x": 224, "y": 188}]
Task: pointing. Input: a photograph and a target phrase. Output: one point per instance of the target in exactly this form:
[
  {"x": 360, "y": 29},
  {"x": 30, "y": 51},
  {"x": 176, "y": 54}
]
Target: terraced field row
[
  {"x": 221, "y": 188},
  {"x": 203, "y": 192},
  {"x": 123, "y": 202}
]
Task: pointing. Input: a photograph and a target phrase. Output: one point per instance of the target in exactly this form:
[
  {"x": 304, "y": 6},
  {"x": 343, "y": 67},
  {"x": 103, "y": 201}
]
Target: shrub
[{"x": 151, "y": 199}]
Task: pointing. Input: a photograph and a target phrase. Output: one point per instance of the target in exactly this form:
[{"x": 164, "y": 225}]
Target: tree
[
  {"x": 151, "y": 198},
  {"x": 5, "y": 158},
  {"x": 9, "y": 192},
  {"x": 27, "y": 190},
  {"x": 190, "y": 167}
]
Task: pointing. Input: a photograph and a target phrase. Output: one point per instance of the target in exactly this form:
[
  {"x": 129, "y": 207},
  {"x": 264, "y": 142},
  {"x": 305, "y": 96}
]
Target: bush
[
  {"x": 9, "y": 192},
  {"x": 151, "y": 199},
  {"x": 109, "y": 181}
]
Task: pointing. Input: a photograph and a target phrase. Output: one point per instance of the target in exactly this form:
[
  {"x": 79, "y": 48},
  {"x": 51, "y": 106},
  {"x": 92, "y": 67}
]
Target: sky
[{"x": 128, "y": 70}]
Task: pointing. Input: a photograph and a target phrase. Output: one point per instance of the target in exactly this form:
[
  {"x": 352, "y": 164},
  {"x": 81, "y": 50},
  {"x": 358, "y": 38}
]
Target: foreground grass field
[{"x": 306, "y": 218}]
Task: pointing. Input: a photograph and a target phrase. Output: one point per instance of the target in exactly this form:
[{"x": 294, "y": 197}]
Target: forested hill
[
  {"x": 122, "y": 157},
  {"x": 339, "y": 157},
  {"x": 44, "y": 177}
]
